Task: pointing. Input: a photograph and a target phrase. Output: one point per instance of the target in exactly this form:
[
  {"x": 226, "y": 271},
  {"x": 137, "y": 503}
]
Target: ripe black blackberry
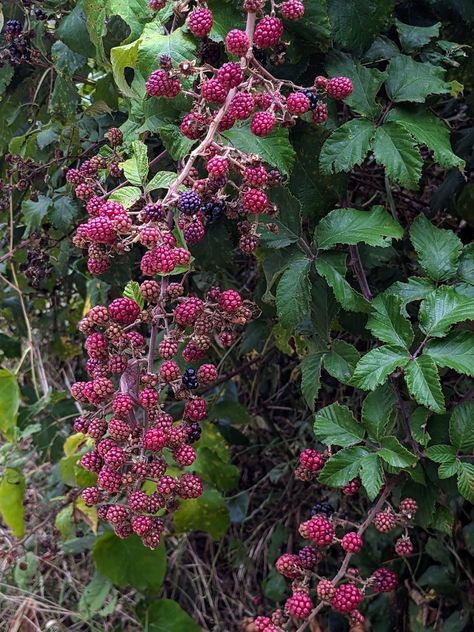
[
  {"x": 194, "y": 432},
  {"x": 40, "y": 15},
  {"x": 153, "y": 212},
  {"x": 189, "y": 379},
  {"x": 214, "y": 210},
  {"x": 260, "y": 55},
  {"x": 313, "y": 99},
  {"x": 210, "y": 52},
  {"x": 189, "y": 202},
  {"x": 13, "y": 28},
  {"x": 322, "y": 508}
]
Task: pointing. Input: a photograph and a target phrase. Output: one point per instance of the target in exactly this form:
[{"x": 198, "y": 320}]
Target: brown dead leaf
[{"x": 25, "y": 619}]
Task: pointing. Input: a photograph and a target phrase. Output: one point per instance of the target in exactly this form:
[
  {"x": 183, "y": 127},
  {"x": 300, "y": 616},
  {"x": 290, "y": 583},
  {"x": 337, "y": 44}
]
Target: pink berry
[
  {"x": 289, "y": 565},
  {"x": 242, "y": 106},
  {"x": 207, "y": 373},
  {"x": 299, "y": 605},
  {"x": 200, "y": 22},
  {"x": 230, "y": 301},
  {"x": 319, "y": 530},
  {"x": 124, "y": 311},
  {"x": 190, "y": 486},
  {"x": 408, "y": 507},
  {"x": 385, "y": 521},
  {"x": 325, "y": 589},
  {"x": 352, "y": 542},
  {"x": 339, "y": 88},
  {"x": 320, "y": 113},
  {"x": 237, "y": 42},
  {"x": 292, "y": 9},
  {"x": 346, "y": 598},
  {"x": 298, "y": 103},
  {"x": 268, "y": 32},
  {"x": 213, "y": 91},
  {"x": 384, "y": 580},
  {"x": 230, "y": 74},
  {"x": 404, "y": 546},
  {"x": 262, "y": 123},
  {"x": 311, "y": 460},
  {"x": 218, "y": 166},
  {"x": 154, "y": 439},
  {"x": 255, "y": 201}
]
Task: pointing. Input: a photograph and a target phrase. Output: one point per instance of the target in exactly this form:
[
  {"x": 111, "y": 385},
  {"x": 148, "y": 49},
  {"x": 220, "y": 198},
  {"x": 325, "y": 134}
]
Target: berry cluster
[
  {"x": 346, "y": 592},
  {"x": 126, "y": 421}
]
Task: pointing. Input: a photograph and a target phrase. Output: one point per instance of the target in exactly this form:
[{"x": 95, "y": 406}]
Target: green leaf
[
  {"x": 443, "y": 308},
  {"x": 350, "y": 226},
  {"x": 129, "y": 563},
  {"x": 136, "y": 167},
  {"x": 416, "y": 289},
  {"x": 294, "y": 293},
  {"x": 395, "y": 454},
  {"x": 12, "y": 491},
  {"x": 313, "y": 30},
  {"x": 422, "y": 379},
  {"x": 355, "y": 24},
  {"x": 418, "y": 423},
  {"x": 387, "y": 323},
  {"x": 9, "y": 403},
  {"x": 341, "y": 360},
  {"x": 336, "y": 425},
  {"x": 213, "y": 469},
  {"x": 63, "y": 213},
  {"x": 410, "y": 80},
  {"x": 311, "y": 376},
  {"x": 178, "y": 45},
  {"x": 274, "y": 148},
  {"x": 366, "y": 82},
  {"x": 132, "y": 290},
  {"x": 175, "y": 143},
  {"x": 377, "y": 411},
  {"x": 135, "y": 14},
  {"x": 65, "y": 60},
  {"x": 6, "y": 75},
  {"x": 371, "y": 475},
  {"x": 34, "y": 213},
  {"x": 415, "y": 37},
  {"x": 94, "y": 595},
  {"x": 456, "y": 351},
  {"x": 126, "y": 196},
  {"x": 64, "y": 98},
  {"x": 332, "y": 266},
  {"x": 466, "y": 480},
  {"x": 342, "y": 467},
  {"x": 466, "y": 264},
  {"x": 447, "y": 470},
  {"x": 161, "y": 180},
  {"x": 288, "y": 220},
  {"x": 96, "y": 14},
  {"x": 438, "y": 249},
  {"x": 207, "y": 513},
  {"x": 441, "y": 453},
  {"x": 375, "y": 367},
  {"x": 427, "y": 129},
  {"x": 165, "y": 615},
  {"x": 346, "y": 147},
  {"x": 395, "y": 149},
  {"x": 461, "y": 427},
  {"x": 123, "y": 57}
]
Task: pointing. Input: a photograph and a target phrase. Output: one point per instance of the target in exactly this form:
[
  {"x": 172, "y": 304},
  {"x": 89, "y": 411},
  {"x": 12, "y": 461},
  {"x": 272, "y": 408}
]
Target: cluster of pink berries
[
  {"x": 387, "y": 520},
  {"x": 345, "y": 594},
  {"x": 125, "y": 398}
]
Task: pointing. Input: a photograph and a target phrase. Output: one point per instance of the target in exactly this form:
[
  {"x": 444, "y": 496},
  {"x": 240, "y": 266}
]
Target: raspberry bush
[{"x": 237, "y": 309}]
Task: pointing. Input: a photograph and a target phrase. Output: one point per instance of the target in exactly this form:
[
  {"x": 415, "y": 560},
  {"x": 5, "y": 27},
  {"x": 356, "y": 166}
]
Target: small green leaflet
[
  {"x": 332, "y": 266},
  {"x": 336, "y": 425},
  {"x": 442, "y": 309},
  {"x": 161, "y": 180},
  {"x": 132, "y": 290},
  {"x": 12, "y": 491},
  {"x": 126, "y": 196},
  {"x": 377, "y": 411},
  {"x": 456, "y": 351},
  {"x": 347, "y": 146},
  {"x": 136, "y": 167},
  {"x": 441, "y": 453},
  {"x": 351, "y": 226},
  {"x": 461, "y": 427},
  {"x": 371, "y": 475},
  {"x": 395, "y": 454},
  {"x": 438, "y": 249},
  {"x": 311, "y": 376},
  {"x": 342, "y": 467},
  {"x": 394, "y": 148},
  {"x": 466, "y": 480},
  {"x": 293, "y": 293},
  {"x": 422, "y": 379},
  {"x": 387, "y": 323},
  {"x": 341, "y": 360},
  {"x": 374, "y": 367}
]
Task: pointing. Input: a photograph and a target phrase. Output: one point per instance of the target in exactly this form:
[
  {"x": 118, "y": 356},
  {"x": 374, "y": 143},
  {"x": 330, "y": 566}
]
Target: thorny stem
[{"x": 345, "y": 562}]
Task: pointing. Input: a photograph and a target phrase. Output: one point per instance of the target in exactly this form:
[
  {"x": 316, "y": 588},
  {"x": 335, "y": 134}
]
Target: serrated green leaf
[
  {"x": 96, "y": 14},
  {"x": 207, "y": 513},
  {"x": 332, "y": 266},
  {"x": 387, "y": 323},
  {"x": 395, "y": 149},
  {"x": 336, "y": 425},
  {"x": 274, "y": 148},
  {"x": 136, "y": 168},
  {"x": 63, "y": 212},
  {"x": 438, "y": 249},
  {"x": 213, "y": 469},
  {"x": 466, "y": 264},
  {"x": 456, "y": 351},
  {"x": 12, "y": 491},
  {"x": 377, "y": 410},
  {"x": 428, "y": 129},
  {"x": 132, "y": 290},
  {"x": 444, "y": 522},
  {"x": 288, "y": 220},
  {"x": 341, "y": 360},
  {"x": 161, "y": 180},
  {"x": 346, "y": 147},
  {"x": 395, "y": 454},
  {"x": 178, "y": 45},
  {"x": 94, "y": 595},
  {"x": 9, "y": 403},
  {"x": 466, "y": 480},
  {"x": 34, "y": 213},
  {"x": 366, "y": 82},
  {"x": 311, "y": 376},
  {"x": 129, "y": 563},
  {"x": 351, "y": 226},
  {"x": 415, "y": 289},
  {"x": 342, "y": 467},
  {"x": 418, "y": 421},
  {"x": 175, "y": 143},
  {"x": 443, "y": 308},
  {"x": 126, "y": 196},
  {"x": 371, "y": 475},
  {"x": 355, "y": 24},
  {"x": 293, "y": 293},
  {"x": 374, "y": 367},
  {"x": 415, "y": 37},
  {"x": 410, "y": 80},
  {"x": 422, "y": 379},
  {"x": 123, "y": 57},
  {"x": 441, "y": 453},
  {"x": 461, "y": 427},
  {"x": 447, "y": 470}
]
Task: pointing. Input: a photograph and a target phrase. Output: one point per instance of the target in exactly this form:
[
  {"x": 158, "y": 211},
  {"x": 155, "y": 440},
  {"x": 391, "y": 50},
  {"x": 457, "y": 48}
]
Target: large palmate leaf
[
  {"x": 438, "y": 249},
  {"x": 347, "y": 146}
]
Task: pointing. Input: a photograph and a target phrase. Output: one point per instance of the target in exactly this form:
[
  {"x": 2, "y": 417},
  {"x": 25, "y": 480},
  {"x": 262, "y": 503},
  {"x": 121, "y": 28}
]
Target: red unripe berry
[
  {"x": 319, "y": 530},
  {"x": 309, "y": 556},
  {"x": 268, "y": 32},
  {"x": 384, "y": 580},
  {"x": 352, "y": 542},
  {"x": 207, "y": 373},
  {"x": 118, "y": 429},
  {"x": 255, "y": 201},
  {"x": 256, "y": 176},
  {"x": 138, "y": 501},
  {"x": 122, "y": 404},
  {"x": 190, "y": 486},
  {"x": 237, "y": 42},
  {"x": 298, "y": 103},
  {"x": 187, "y": 312},
  {"x": 195, "y": 410},
  {"x": 109, "y": 480},
  {"x": 101, "y": 231},
  {"x": 339, "y": 88},
  {"x": 213, "y": 91},
  {"x": 385, "y": 521},
  {"x": 185, "y": 455},
  {"x": 320, "y": 113},
  {"x": 200, "y": 22},
  {"x": 346, "y": 598},
  {"x": 117, "y": 514},
  {"x": 408, "y": 507},
  {"x": 148, "y": 398},
  {"x": 169, "y": 371},
  {"x": 97, "y": 345},
  {"x": 166, "y": 485},
  {"x": 230, "y": 301},
  {"x": 230, "y": 74},
  {"x": 90, "y": 496},
  {"x": 154, "y": 439},
  {"x": 218, "y": 166},
  {"x": 141, "y": 524},
  {"x": 150, "y": 291},
  {"x": 299, "y": 605},
  {"x": 124, "y": 311},
  {"x": 292, "y": 9},
  {"x": 404, "y": 546},
  {"x": 262, "y": 123},
  {"x": 91, "y": 461},
  {"x": 311, "y": 460},
  {"x": 193, "y": 125},
  {"x": 325, "y": 589},
  {"x": 289, "y": 565},
  {"x": 242, "y": 106},
  {"x": 264, "y": 624},
  {"x": 352, "y": 487}
]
